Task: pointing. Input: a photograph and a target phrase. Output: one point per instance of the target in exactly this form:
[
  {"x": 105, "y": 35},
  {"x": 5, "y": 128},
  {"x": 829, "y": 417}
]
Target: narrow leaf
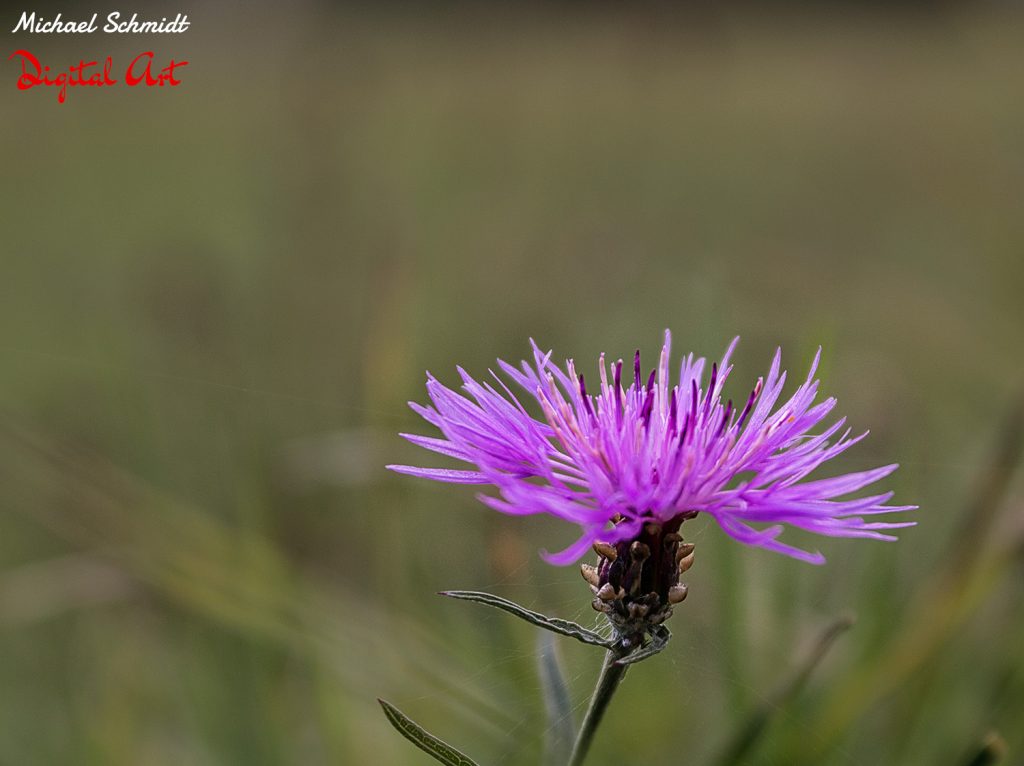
[
  {"x": 555, "y": 625},
  {"x": 560, "y": 731},
  {"x": 424, "y": 740},
  {"x": 659, "y": 640}
]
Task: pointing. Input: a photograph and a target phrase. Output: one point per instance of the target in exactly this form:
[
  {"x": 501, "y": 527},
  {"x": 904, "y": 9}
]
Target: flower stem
[{"x": 607, "y": 683}]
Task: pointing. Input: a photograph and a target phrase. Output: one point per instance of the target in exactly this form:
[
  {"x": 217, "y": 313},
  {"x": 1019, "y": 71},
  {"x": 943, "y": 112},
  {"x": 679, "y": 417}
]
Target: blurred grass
[{"x": 216, "y": 302}]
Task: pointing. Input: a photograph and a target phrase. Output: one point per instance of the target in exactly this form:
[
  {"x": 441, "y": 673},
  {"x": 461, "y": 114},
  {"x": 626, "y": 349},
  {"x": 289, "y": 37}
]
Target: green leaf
[
  {"x": 560, "y": 731},
  {"x": 424, "y": 740},
  {"x": 555, "y": 625},
  {"x": 659, "y": 640}
]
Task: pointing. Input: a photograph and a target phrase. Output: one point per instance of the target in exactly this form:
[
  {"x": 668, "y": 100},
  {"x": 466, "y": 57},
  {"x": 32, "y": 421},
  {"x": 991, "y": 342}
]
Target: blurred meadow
[{"x": 217, "y": 300}]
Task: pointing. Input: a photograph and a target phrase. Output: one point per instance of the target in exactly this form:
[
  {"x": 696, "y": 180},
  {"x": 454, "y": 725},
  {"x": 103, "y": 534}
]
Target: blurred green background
[{"x": 216, "y": 301}]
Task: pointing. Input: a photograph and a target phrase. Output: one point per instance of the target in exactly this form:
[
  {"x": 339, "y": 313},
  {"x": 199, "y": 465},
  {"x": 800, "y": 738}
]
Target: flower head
[{"x": 649, "y": 454}]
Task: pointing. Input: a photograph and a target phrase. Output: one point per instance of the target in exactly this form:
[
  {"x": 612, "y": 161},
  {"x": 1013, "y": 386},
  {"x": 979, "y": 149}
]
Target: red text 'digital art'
[{"x": 143, "y": 70}]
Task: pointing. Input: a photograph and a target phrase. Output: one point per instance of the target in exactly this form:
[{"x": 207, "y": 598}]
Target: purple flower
[{"x": 653, "y": 452}]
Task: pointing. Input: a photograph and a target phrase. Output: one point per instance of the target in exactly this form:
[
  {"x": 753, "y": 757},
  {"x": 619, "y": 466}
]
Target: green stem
[{"x": 607, "y": 683}]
